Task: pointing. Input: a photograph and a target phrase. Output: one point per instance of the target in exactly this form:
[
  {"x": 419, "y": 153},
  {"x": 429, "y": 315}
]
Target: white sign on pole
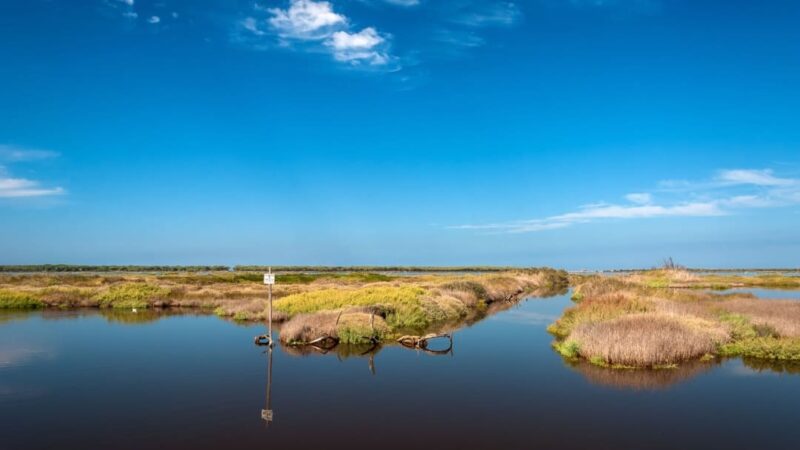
[
  {"x": 266, "y": 414},
  {"x": 269, "y": 278}
]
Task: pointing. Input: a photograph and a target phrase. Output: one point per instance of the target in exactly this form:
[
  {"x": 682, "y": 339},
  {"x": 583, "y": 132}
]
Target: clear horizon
[{"x": 572, "y": 134}]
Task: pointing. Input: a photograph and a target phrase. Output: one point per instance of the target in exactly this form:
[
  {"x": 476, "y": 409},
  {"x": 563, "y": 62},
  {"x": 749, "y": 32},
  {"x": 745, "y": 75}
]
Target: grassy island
[{"x": 660, "y": 318}]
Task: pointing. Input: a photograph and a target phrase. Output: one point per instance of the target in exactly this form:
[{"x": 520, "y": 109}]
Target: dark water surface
[{"x": 81, "y": 380}]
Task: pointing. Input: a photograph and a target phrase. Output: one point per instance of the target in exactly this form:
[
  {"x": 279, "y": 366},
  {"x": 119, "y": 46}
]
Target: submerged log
[{"x": 262, "y": 339}]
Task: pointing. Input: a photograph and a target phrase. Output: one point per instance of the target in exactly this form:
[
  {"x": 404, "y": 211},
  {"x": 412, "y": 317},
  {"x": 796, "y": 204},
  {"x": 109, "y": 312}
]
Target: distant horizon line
[{"x": 24, "y": 268}]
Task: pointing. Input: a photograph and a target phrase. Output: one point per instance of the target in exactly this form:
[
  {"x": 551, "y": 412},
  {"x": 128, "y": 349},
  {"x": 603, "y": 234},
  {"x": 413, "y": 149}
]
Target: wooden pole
[{"x": 270, "y": 311}]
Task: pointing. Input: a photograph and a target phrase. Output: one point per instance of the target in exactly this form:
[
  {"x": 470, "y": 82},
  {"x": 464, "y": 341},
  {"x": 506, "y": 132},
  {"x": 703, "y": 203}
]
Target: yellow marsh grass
[
  {"x": 647, "y": 339},
  {"x": 331, "y": 299}
]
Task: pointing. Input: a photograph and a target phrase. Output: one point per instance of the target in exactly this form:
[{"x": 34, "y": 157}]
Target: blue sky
[{"x": 572, "y": 133}]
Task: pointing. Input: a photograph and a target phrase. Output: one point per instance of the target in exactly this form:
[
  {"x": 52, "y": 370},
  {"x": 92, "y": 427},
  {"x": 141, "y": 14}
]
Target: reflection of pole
[
  {"x": 372, "y": 363},
  {"x": 266, "y": 414},
  {"x": 270, "y": 313}
]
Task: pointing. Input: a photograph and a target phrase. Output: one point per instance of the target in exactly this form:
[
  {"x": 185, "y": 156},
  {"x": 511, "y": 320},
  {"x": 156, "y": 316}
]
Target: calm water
[{"x": 79, "y": 380}]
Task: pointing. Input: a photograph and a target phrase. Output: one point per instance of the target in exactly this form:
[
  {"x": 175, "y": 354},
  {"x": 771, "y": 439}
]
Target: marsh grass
[
  {"x": 637, "y": 321},
  {"x": 645, "y": 340}
]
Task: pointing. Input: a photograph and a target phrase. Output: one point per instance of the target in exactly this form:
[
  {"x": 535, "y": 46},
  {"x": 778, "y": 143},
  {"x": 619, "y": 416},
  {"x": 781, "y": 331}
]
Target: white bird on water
[{"x": 133, "y": 310}]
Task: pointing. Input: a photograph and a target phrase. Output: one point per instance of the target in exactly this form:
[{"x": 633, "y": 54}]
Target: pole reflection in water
[{"x": 266, "y": 413}]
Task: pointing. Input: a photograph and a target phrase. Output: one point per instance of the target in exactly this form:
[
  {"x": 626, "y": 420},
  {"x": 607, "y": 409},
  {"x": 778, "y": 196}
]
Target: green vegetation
[
  {"x": 764, "y": 348},
  {"x": 568, "y": 349},
  {"x": 18, "y": 300},
  {"x": 134, "y": 295},
  {"x": 403, "y": 304}
]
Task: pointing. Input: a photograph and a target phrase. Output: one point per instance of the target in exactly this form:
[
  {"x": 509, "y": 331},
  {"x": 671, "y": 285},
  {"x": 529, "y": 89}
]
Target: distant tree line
[
  {"x": 251, "y": 268},
  {"x": 381, "y": 268},
  {"x": 89, "y": 268}
]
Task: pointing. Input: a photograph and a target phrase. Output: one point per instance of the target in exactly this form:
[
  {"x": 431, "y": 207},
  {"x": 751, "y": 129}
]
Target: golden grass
[
  {"x": 646, "y": 339},
  {"x": 638, "y": 321}
]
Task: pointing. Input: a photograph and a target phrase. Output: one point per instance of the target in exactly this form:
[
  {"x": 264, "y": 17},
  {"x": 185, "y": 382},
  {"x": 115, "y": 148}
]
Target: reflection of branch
[{"x": 421, "y": 343}]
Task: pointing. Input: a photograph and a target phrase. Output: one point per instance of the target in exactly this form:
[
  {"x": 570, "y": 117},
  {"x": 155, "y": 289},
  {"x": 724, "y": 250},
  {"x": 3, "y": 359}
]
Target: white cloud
[
  {"x": 21, "y": 187},
  {"x": 154, "y": 19},
  {"x": 754, "y": 177},
  {"x": 314, "y": 26},
  {"x": 306, "y": 19},
  {"x": 358, "y": 47},
  {"x": 640, "y": 198},
  {"x": 767, "y": 191},
  {"x": 15, "y": 187}
]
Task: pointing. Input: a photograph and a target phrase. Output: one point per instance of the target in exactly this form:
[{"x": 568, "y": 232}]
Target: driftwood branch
[{"x": 421, "y": 342}]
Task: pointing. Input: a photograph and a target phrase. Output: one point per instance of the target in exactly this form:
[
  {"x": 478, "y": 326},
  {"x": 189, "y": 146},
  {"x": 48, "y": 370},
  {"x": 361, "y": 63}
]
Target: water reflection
[
  {"x": 641, "y": 379},
  {"x": 267, "y": 413},
  {"x": 776, "y": 366}
]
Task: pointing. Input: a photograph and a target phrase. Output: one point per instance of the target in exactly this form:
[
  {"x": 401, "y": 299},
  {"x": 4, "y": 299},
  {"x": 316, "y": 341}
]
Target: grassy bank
[
  {"x": 352, "y": 306},
  {"x": 660, "y": 318}
]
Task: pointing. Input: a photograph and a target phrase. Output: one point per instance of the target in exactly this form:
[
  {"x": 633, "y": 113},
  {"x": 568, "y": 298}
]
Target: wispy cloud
[
  {"x": 315, "y": 26},
  {"x": 17, "y": 187},
  {"x": 754, "y": 177},
  {"x": 11, "y": 153},
  {"x": 21, "y": 187},
  {"x": 485, "y": 14},
  {"x": 403, "y": 2},
  {"x": 764, "y": 190}
]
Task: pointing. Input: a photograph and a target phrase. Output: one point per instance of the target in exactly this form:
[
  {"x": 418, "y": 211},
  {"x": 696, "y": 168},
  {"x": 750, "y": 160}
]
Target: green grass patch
[
  {"x": 568, "y": 349},
  {"x": 764, "y": 348},
  {"x": 403, "y": 304},
  {"x": 131, "y": 295},
  {"x": 18, "y": 300}
]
